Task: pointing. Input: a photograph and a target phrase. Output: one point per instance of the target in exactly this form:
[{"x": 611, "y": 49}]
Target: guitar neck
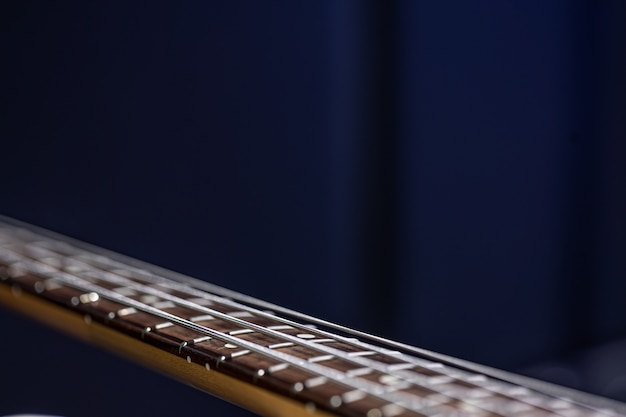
[{"x": 269, "y": 359}]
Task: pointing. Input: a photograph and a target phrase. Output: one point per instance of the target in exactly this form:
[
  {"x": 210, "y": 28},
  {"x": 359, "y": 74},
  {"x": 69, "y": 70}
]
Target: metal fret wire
[
  {"x": 405, "y": 400},
  {"x": 403, "y": 375}
]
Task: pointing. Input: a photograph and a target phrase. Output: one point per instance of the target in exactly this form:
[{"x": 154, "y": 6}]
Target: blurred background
[{"x": 451, "y": 174}]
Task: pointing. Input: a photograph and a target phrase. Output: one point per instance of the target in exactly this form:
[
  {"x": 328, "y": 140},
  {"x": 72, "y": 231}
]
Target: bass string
[
  {"x": 406, "y": 376},
  {"x": 262, "y": 304},
  {"x": 112, "y": 278},
  {"x": 402, "y": 375},
  {"x": 405, "y": 400},
  {"x": 62, "y": 243},
  {"x": 415, "y": 402},
  {"x": 600, "y": 405},
  {"x": 122, "y": 300},
  {"x": 400, "y": 372}
]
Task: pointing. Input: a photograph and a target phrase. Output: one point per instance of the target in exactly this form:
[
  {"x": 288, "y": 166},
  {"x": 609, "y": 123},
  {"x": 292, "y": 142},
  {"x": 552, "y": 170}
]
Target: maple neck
[{"x": 264, "y": 357}]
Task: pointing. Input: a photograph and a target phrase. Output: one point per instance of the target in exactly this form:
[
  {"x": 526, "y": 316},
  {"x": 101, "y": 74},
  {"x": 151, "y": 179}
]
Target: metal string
[
  {"x": 413, "y": 378},
  {"x": 405, "y": 400},
  {"x": 404, "y": 375},
  {"x": 410, "y": 377},
  {"x": 113, "y": 278}
]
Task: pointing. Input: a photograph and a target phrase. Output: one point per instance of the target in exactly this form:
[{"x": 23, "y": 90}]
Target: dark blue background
[{"x": 450, "y": 174}]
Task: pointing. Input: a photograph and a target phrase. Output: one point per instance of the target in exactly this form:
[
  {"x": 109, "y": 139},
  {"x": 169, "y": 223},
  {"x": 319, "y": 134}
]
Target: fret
[
  {"x": 322, "y": 358},
  {"x": 204, "y": 317},
  {"x": 280, "y": 327},
  {"x": 338, "y": 377},
  {"x": 240, "y": 332},
  {"x": 308, "y": 336},
  {"x": 164, "y": 305},
  {"x": 170, "y": 324},
  {"x": 280, "y": 345},
  {"x": 238, "y": 314},
  {"x": 259, "y": 342},
  {"x": 198, "y": 340},
  {"x": 199, "y": 301},
  {"x": 359, "y": 371},
  {"x": 247, "y": 314},
  {"x": 125, "y": 311},
  {"x": 286, "y": 358},
  {"x": 323, "y": 341},
  {"x": 146, "y": 275},
  {"x": 315, "y": 382}
]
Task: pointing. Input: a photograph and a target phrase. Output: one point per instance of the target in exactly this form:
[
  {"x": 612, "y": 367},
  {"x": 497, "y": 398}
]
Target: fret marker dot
[
  {"x": 260, "y": 372},
  {"x": 189, "y": 359},
  {"x": 144, "y": 331},
  {"x": 39, "y": 287},
  {"x": 306, "y": 336},
  {"x": 111, "y": 315},
  {"x": 374, "y": 412},
  {"x": 335, "y": 401},
  {"x": 74, "y": 301},
  {"x": 298, "y": 386}
]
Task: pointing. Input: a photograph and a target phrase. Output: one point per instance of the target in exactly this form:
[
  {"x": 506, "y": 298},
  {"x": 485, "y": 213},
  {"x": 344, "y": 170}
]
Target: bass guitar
[{"x": 268, "y": 359}]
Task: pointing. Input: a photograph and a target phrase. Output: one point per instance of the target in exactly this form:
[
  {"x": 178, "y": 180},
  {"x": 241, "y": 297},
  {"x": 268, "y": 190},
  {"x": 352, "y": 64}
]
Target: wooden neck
[{"x": 272, "y": 362}]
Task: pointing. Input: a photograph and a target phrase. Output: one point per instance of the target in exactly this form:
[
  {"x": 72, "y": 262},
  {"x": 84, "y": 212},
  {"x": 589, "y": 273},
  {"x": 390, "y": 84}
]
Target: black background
[{"x": 450, "y": 174}]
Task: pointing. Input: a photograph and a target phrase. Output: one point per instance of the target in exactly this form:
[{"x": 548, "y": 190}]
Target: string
[
  {"x": 409, "y": 401},
  {"x": 366, "y": 363},
  {"x": 407, "y": 376},
  {"x": 253, "y": 301},
  {"x": 404, "y": 399},
  {"x": 410, "y": 377}
]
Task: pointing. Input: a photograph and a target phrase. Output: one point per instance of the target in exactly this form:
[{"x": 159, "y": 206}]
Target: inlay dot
[
  {"x": 335, "y": 401},
  {"x": 374, "y": 412}
]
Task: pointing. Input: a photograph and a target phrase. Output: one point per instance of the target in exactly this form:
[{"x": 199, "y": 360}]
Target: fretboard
[{"x": 266, "y": 358}]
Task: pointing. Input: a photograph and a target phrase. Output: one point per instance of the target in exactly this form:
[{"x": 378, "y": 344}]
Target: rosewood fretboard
[{"x": 266, "y": 358}]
